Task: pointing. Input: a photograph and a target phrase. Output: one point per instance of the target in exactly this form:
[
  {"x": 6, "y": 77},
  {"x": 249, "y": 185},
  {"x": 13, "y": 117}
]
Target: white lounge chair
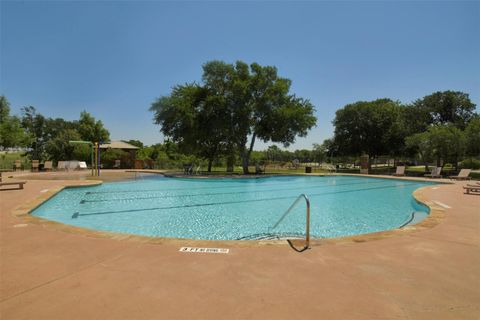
[
  {"x": 436, "y": 173},
  {"x": 463, "y": 175},
  {"x": 48, "y": 165},
  {"x": 82, "y": 165},
  {"x": 400, "y": 171},
  {"x": 61, "y": 165},
  {"x": 35, "y": 164},
  {"x": 197, "y": 169}
]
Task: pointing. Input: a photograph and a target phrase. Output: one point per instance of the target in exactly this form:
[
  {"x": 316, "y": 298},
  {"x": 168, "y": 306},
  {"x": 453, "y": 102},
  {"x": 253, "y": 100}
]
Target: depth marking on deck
[
  {"x": 442, "y": 204},
  {"x": 203, "y": 250},
  {"x": 435, "y": 188},
  {"x": 44, "y": 190}
]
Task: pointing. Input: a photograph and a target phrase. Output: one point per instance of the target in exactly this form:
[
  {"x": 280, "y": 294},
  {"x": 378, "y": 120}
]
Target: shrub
[{"x": 470, "y": 164}]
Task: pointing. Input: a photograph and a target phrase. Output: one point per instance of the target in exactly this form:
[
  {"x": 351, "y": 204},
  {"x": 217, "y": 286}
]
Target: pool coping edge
[{"x": 436, "y": 215}]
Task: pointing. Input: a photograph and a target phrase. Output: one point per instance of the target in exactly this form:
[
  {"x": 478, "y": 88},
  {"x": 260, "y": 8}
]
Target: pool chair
[
  {"x": 48, "y": 165},
  {"x": 82, "y": 165},
  {"x": 436, "y": 173},
  {"x": 197, "y": 169},
  {"x": 61, "y": 165},
  {"x": 35, "y": 164},
  {"x": 17, "y": 165},
  {"x": 463, "y": 175},
  {"x": 472, "y": 189},
  {"x": 400, "y": 171},
  {"x": 117, "y": 164},
  {"x": 258, "y": 169}
]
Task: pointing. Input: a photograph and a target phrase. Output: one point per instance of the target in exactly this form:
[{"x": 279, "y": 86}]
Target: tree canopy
[
  {"x": 11, "y": 131},
  {"x": 235, "y": 105},
  {"x": 370, "y": 127}
]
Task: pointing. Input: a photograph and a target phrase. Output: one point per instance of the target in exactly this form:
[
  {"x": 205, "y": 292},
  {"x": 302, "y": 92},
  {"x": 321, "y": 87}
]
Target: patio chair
[
  {"x": 82, "y": 165},
  {"x": 35, "y": 164},
  {"x": 117, "y": 164},
  {"x": 17, "y": 165},
  {"x": 471, "y": 189},
  {"x": 188, "y": 168},
  {"x": 48, "y": 165},
  {"x": 436, "y": 173},
  {"x": 197, "y": 169},
  {"x": 258, "y": 169},
  {"x": 400, "y": 171},
  {"x": 19, "y": 183},
  {"x": 61, "y": 165},
  {"x": 463, "y": 175}
]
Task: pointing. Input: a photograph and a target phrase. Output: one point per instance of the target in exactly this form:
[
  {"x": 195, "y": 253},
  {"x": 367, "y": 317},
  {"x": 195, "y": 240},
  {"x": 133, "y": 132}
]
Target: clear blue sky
[{"x": 114, "y": 58}]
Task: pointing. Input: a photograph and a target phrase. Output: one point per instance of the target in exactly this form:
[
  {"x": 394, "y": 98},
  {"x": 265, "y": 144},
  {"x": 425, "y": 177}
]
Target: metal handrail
[{"x": 307, "y": 227}]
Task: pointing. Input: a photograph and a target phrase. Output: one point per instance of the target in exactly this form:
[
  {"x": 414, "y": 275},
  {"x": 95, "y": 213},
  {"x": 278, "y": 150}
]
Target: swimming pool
[{"x": 236, "y": 209}]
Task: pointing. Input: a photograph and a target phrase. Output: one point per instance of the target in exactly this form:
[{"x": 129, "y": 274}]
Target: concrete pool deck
[{"x": 46, "y": 273}]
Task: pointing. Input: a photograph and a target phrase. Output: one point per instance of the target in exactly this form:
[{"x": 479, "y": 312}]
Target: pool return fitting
[{"x": 307, "y": 222}]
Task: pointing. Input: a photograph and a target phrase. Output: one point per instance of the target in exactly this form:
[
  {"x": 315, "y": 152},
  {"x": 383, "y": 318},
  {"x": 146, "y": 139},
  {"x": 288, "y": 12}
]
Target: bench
[{"x": 16, "y": 183}]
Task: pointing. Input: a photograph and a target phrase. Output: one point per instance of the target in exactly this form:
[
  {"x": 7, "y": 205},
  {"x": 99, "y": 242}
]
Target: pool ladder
[{"x": 307, "y": 224}]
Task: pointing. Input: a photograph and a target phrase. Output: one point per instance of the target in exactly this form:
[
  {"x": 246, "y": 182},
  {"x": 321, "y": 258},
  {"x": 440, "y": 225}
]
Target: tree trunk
[
  {"x": 210, "y": 161},
  {"x": 230, "y": 161},
  {"x": 246, "y": 155}
]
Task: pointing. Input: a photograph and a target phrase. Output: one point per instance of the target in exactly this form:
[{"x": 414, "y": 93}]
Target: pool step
[{"x": 272, "y": 236}]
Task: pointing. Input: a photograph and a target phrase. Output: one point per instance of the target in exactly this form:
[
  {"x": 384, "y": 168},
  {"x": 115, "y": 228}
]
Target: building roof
[{"x": 118, "y": 145}]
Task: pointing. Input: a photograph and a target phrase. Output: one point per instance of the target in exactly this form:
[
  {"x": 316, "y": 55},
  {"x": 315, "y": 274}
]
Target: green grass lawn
[{"x": 8, "y": 158}]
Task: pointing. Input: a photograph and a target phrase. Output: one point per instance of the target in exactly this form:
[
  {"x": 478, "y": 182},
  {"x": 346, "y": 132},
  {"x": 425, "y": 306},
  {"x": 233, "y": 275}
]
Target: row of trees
[
  {"x": 440, "y": 126},
  {"x": 48, "y": 138},
  {"x": 235, "y": 105}
]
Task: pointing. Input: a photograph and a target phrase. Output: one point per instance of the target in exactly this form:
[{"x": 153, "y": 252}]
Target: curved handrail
[{"x": 307, "y": 227}]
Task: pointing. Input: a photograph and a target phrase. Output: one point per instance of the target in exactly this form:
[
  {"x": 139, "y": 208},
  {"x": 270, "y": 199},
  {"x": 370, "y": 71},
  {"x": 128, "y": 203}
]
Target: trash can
[{"x": 308, "y": 169}]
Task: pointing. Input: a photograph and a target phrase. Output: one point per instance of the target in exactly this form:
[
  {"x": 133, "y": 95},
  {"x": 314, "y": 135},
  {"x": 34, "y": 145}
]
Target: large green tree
[
  {"x": 439, "y": 108},
  {"x": 420, "y": 144},
  {"x": 11, "y": 132},
  {"x": 272, "y": 113},
  {"x": 193, "y": 120},
  {"x": 369, "y": 127},
  {"x": 472, "y": 135},
  {"x": 91, "y": 129},
  {"x": 236, "y": 105},
  {"x": 440, "y": 142}
]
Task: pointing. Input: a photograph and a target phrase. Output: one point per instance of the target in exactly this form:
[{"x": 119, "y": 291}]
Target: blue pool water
[{"x": 228, "y": 209}]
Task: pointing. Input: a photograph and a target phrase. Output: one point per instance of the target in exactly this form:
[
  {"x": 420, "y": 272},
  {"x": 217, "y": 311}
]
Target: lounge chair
[
  {"x": 35, "y": 164},
  {"x": 400, "y": 171},
  {"x": 48, "y": 165},
  {"x": 17, "y": 165},
  {"x": 73, "y": 164},
  {"x": 471, "y": 189},
  {"x": 117, "y": 164},
  {"x": 61, "y": 165},
  {"x": 197, "y": 169},
  {"x": 463, "y": 175},
  {"x": 436, "y": 173},
  {"x": 82, "y": 165},
  {"x": 19, "y": 183},
  {"x": 259, "y": 170}
]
